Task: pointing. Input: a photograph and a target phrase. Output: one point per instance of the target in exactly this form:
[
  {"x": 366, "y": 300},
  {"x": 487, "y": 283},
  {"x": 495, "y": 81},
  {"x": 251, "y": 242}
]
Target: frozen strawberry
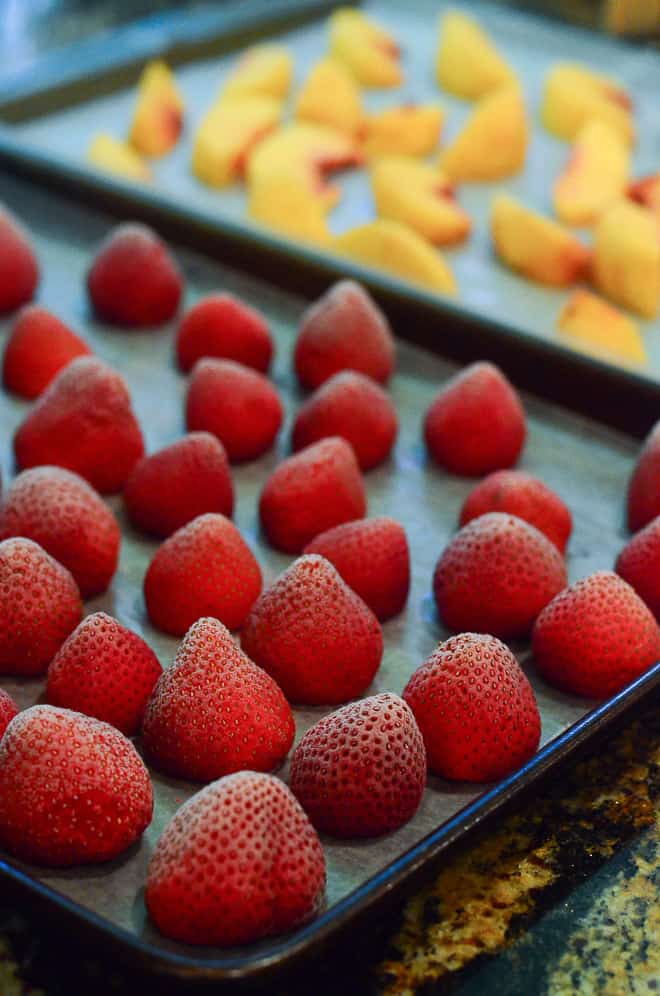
[
  {"x": 214, "y": 712},
  {"x": 84, "y": 422},
  {"x": 104, "y": 670},
  {"x": 312, "y": 491},
  {"x": 373, "y": 558},
  {"x": 496, "y": 575},
  {"x": 173, "y": 486},
  {"x": 224, "y": 327},
  {"x": 73, "y": 790},
  {"x": 38, "y": 347},
  {"x": 644, "y": 487},
  {"x": 476, "y": 423},
  {"x": 639, "y": 565},
  {"x": 354, "y": 407},
  {"x": 314, "y": 635},
  {"x": 343, "y": 330},
  {"x": 8, "y": 709},
  {"x": 63, "y": 514},
  {"x": 361, "y": 771},
  {"x": 39, "y": 606},
  {"x": 19, "y": 271},
  {"x": 133, "y": 279},
  {"x": 237, "y": 404},
  {"x": 475, "y": 708},
  {"x": 521, "y": 494},
  {"x": 595, "y": 637},
  {"x": 203, "y": 569},
  {"x": 238, "y": 862}
]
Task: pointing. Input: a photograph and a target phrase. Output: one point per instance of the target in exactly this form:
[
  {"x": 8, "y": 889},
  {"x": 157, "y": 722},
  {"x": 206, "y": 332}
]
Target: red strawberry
[
  {"x": 173, "y": 486},
  {"x": 361, "y": 771},
  {"x": 354, "y": 407},
  {"x": 639, "y": 565},
  {"x": 133, "y": 279},
  {"x": 314, "y": 635},
  {"x": 63, "y": 514},
  {"x": 8, "y": 709},
  {"x": 496, "y": 575},
  {"x": 19, "y": 271},
  {"x": 316, "y": 489},
  {"x": 238, "y": 862},
  {"x": 373, "y": 558},
  {"x": 104, "y": 670},
  {"x": 475, "y": 708},
  {"x": 73, "y": 790},
  {"x": 644, "y": 487},
  {"x": 223, "y": 326},
  {"x": 343, "y": 330},
  {"x": 595, "y": 637},
  {"x": 237, "y": 404},
  {"x": 521, "y": 494},
  {"x": 204, "y": 569},
  {"x": 476, "y": 423},
  {"x": 214, "y": 712},
  {"x": 39, "y": 606},
  {"x": 39, "y": 346},
  {"x": 84, "y": 422}
]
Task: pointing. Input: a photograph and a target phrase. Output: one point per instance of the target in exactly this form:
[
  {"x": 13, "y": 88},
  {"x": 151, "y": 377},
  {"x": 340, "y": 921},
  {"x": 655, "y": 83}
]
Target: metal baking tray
[{"x": 53, "y": 106}]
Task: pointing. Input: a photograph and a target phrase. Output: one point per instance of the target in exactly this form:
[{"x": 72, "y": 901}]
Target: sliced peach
[
  {"x": 370, "y": 52},
  {"x": 626, "y": 265},
  {"x": 397, "y": 249},
  {"x": 331, "y": 97},
  {"x": 409, "y": 130},
  {"x": 595, "y": 175},
  {"x": 647, "y": 192},
  {"x": 592, "y": 325},
  {"x": 229, "y": 134},
  {"x": 158, "y": 116},
  {"x": 282, "y": 203},
  {"x": 419, "y": 196},
  {"x": 574, "y": 94},
  {"x": 262, "y": 71},
  {"x": 535, "y": 246},
  {"x": 114, "y": 156},
  {"x": 467, "y": 62},
  {"x": 493, "y": 141}
]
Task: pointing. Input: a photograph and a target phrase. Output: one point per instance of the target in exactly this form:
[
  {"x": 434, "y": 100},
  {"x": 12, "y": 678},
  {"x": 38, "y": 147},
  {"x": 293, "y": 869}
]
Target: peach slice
[
  {"x": 114, "y": 156},
  {"x": 493, "y": 141},
  {"x": 592, "y": 325},
  {"x": 331, "y": 97},
  {"x": 535, "y": 246},
  {"x": 262, "y": 71},
  {"x": 229, "y": 134},
  {"x": 595, "y": 175},
  {"x": 370, "y": 52},
  {"x": 626, "y": 265},
  {"x": 573, "y": 94},
  {"x": 417, "y": 195},
  {"x": 158, "y": 116},
  {"x": 647, "y": 192},
  {"x": 467, "y": 62},
  {"x": 282, "y": 203},
  {"x": 409, "y": 130},
  {"x": 397, "y": 249}
]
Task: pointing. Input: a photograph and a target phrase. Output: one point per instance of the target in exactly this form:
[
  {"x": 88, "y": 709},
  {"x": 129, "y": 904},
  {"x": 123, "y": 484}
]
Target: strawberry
[
  {"x": 639, "y": 565},
  {"x": 476, "y": 423},
  {"x": 133, "y": 279},
  {"x": 361, "y": 771},
  {"x": 224, "y": 327},
  {"x": 496, "y": 575},
  {"x": 237, "y": 404},
  {"x": 521, "y": 494},
  {"x": 173, "y": 486},
  {"x": 595, "y": 637},
  {"x": 203, "y": 569},
  {"x": 8, "y": 709},
  {"x": 19, "y": 270},
  {"x": 63, "y": 514},
  {"x": 238, "y": 862},
  {"x": 317, "y": 488},
  {"x": 314, "y": 635},
  {"x": 240, "y": 718},
  {"x": 475, "y": 708},
  {"x": 343, "y": 330},
  {"x": 644, "y": 486},
  {"x": 73, "y": 790},
  {"x": 373, "y": 558},
  {"x": 83, "y": 421},
  {"x": 38, "y": 347},
  {"x": 354, "y": 407},
  {"x": 39, "y": 606},
  {"x": 104, "y": 670}
]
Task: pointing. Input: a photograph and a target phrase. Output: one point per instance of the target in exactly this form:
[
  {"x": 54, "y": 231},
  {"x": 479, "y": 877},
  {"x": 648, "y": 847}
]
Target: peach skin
[
  {"x": 593, "y": 326},
  {"x": 409, "y": 130},
  {"x": 493, "y": 141},
  {"x": 467, "y": 62},
  {"x": 574, "y": 94},
  {"x": 262, "y": 71},
  {"x": 331, "y": 97},
  {"x": 282, "y": 203},
  {"x": 595, "y": 175},
  {"x": 647, "y": 192},
  {"x": 366, "y": 49},
  {"x": 418, "y": 195},
  {"x": 626, "y": 264},
  {"x": 158, "y": 116},
  {"x": 228, "y": 135},
  {"x": 114, "y": 156}
]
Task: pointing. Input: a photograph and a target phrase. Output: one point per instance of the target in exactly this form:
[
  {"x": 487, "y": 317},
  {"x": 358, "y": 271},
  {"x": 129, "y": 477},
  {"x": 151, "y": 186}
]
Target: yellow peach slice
[
  {"x": 419, "y": 196},
  {"x": 647, "y": 192},
  {"x": 592, "y": 325},
  {"x": 262, "y": 71},
  {"x": 229, "y": 134},
  {"x": 283, "y": 204},
  {"x": 366, "y": 49},
  {"x": 626, "y": 264},
  {"x": 114, "y": 156},
  {"x": 595, "y": 175},
  {"x": 158, "y": 116},
  {"x": 467, "y": 62},
  {"x": 535, "y": 246},
  {"x": 409, "y": 130},
  {"x": 493, "y": 141},
  {"x": 574, "y": 94},
  {"x": 331, "y": 97},
  {"x": 397, "y": 249}
]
